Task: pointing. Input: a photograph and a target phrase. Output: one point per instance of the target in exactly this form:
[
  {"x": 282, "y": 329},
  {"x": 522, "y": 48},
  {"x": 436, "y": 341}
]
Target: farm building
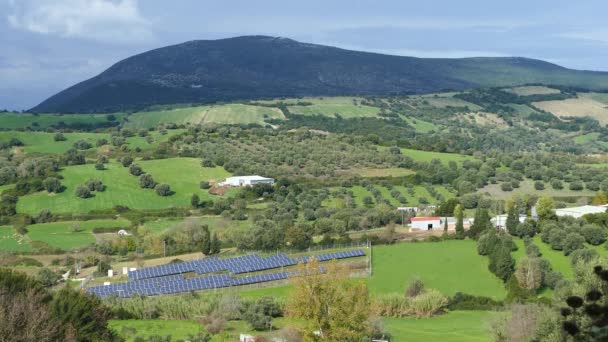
[
  {"x": 426, "y": 223},
  {"x": 578, "y": 212},
  {"x": 246, "y": 181},
  {"x": 500, "y": 221}
]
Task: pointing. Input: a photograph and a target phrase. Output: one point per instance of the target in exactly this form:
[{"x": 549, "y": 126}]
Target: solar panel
[{"x": 168, "y": 279}]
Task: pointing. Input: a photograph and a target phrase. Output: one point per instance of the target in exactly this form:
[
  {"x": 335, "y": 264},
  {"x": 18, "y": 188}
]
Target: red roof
[{"x": 433, "y": 218}]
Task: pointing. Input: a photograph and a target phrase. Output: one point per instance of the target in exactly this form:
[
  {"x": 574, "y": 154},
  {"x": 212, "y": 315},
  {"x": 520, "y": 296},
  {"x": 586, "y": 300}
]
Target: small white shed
[{"x": 239, "y": 181}]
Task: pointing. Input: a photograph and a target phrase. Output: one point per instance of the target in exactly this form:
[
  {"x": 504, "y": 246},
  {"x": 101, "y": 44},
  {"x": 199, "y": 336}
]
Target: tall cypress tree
[
  {"x": 512, "y": 217},
  {"x": 459, "y": 212},
  {"x": 216, "y": 244},
  {"x": 481, "y": 223},
  {"x": 206, "y": 241}
]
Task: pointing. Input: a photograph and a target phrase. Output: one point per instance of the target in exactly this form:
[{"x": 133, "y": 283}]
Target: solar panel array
[
  {"x": 237, "y": 265},
  {"x": 169, "y": 279}
]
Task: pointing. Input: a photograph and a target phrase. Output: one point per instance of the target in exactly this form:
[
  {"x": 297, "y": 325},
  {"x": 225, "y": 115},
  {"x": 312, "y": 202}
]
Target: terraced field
[{"x": 359, "y": 193}]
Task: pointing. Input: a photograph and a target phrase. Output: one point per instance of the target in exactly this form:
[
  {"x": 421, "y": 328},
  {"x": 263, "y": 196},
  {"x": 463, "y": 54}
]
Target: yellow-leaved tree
[{"x": 333, "y": 307}]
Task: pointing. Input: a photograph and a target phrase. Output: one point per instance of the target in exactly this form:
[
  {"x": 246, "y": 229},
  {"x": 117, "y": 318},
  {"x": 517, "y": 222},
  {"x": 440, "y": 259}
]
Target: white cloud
[
  {"x": 600, "y": 35},
  {"x": 118, "y": 21}
]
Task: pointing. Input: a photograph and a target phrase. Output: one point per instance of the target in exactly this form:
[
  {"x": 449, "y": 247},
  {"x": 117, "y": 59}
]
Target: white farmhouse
[
  {"x": 578, "y": 212},
  {"x": 426, "y": 223},
  {"x": 246, "y": 181}
]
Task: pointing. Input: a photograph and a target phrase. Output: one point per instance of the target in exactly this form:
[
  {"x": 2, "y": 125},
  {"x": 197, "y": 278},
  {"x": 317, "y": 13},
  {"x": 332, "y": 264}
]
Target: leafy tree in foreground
[
  {"x": 163, "y": 190},
  {"x": 329, "y": 303}
]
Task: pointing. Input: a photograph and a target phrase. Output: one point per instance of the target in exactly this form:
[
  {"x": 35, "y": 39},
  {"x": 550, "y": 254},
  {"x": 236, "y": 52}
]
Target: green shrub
[{"x": 463, "y": 301}]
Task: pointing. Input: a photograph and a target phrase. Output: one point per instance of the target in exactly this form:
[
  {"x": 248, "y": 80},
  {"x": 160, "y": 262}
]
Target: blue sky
[{"x": 48, "y": 45}]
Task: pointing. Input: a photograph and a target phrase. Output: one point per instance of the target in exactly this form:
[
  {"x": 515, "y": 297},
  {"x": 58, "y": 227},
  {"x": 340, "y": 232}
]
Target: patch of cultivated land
[
  {"x": 220, "y": 114},
  {"x": 63, "y": 235},
  {"x": 346, "y": 107},
  {"x": 533, "y": 90},
  {"x": 218, "y": 224},
  {"x": 359, "y": 193},
  {"x": 10, "y": 241},
  {"x": 374, "y": 172},
  {"x": 448, "y": 266},
  {"x": 42, "y": 142},
  {"x": 182, "y": 174},
  {"x": 527, "y": 187},
  {"x": 428, "y": 156},
  {"x": 586, "y": 104},
  {"x": 456, "y": 326},
  {"x": 445, "y": 100},
  {"x": 419, "y": 125},
  {"x": 18, "y": 120}
]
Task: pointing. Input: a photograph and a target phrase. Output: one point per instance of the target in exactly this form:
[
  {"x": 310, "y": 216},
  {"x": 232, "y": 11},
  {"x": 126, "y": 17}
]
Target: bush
[
  {"x": 135, "y": 170},
  {"x": 95, "y": 185},
  {"x": 100, "y": 166},
  {"x": 539, "y": 185},
  {"x": 147, "y": 182},
  {"x": 101, "y": 142},
  {"x": 205, "y": 185},
  {"x": 506, "y": 187},
  {"x": 576, "y": 186},
  {"x": 59, "y": 137},
  {"x": 163, "y": 190},
  {"x": 415, "y": 288},
  {"x": 424, "y": 305},
  {"x": 44, "y": 216},
  {"x": 52, "y": 184},
  {"x": 126, "y": 161},
  {"x": 82, "y": 145},
  {"x": 583, "y": 255},
  {"x": 47, "y": 277},
  {"x": 593, "y": 234},
  {"x": 83, "y": 192},
  {"x": 463, "y": 301},
  {"x": 557, "y": 237},
  {"x": 573, "y": 242},
  {"x": 557, "y": 184}
]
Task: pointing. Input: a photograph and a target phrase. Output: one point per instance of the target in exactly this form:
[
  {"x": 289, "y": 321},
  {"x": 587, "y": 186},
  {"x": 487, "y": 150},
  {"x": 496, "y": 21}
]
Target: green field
[
  {"x": 456, "y": 326},
  {"x": 61, "y": 234},
  {"x": 559, "y": 262},
  {"x": 10, "y": 241},
  {"x": 217, "y": 224},
  {"x": 343, "y": 106},
  {"x": 421, "y": 126},
  {"x": 40, "y": 121},
  {"x": 146, "y": 328},
  {"x": 42, "y": 142},
  {"x": 220, "y": 114},
  {"x": 427, "y": 156},
  {"x": 448, "y": 266},
  {"x": 182, "y": 174}
]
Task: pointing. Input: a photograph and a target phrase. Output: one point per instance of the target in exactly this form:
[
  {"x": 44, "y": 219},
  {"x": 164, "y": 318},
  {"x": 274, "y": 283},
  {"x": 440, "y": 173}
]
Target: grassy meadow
[
  {"x": 68, "y": 235},
  {"x": 456, "y": 326},
  {"x": 42, "y": 142},
  {"x": 448, "y": 266},
  {"x": 40, "y": 121},
  {"x": 10, "y": 241},
  {"x": 182, "y": 174}
]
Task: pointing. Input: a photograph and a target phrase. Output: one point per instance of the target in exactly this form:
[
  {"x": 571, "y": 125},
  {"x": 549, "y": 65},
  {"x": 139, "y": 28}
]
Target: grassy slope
[
  {"x": 586, "y": 104},
  {"x": 60, "y": 234},
  {"x": 182, "y": 174},
  {"x": 456, "y": 326},
  {"x": 558, "y": 260},
  {"x": 222, "y": 114},
  {"x": 10, "y": 241},
  {"x": 14, "y": 121},
  {"x": 449, "y": 266},
  {"x": 41, "y": 142}
]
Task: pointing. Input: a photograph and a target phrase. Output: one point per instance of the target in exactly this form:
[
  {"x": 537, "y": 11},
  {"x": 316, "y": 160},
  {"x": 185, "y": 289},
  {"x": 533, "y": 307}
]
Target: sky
[{"x": 48, "y": 45}]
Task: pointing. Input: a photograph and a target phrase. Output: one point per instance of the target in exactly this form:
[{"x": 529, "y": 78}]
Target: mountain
[{"x": 255, "y": 67}]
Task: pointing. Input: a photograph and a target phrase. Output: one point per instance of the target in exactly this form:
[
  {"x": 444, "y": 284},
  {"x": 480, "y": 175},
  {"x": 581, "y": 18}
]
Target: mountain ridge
[{"x": 256, "y": 67}]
